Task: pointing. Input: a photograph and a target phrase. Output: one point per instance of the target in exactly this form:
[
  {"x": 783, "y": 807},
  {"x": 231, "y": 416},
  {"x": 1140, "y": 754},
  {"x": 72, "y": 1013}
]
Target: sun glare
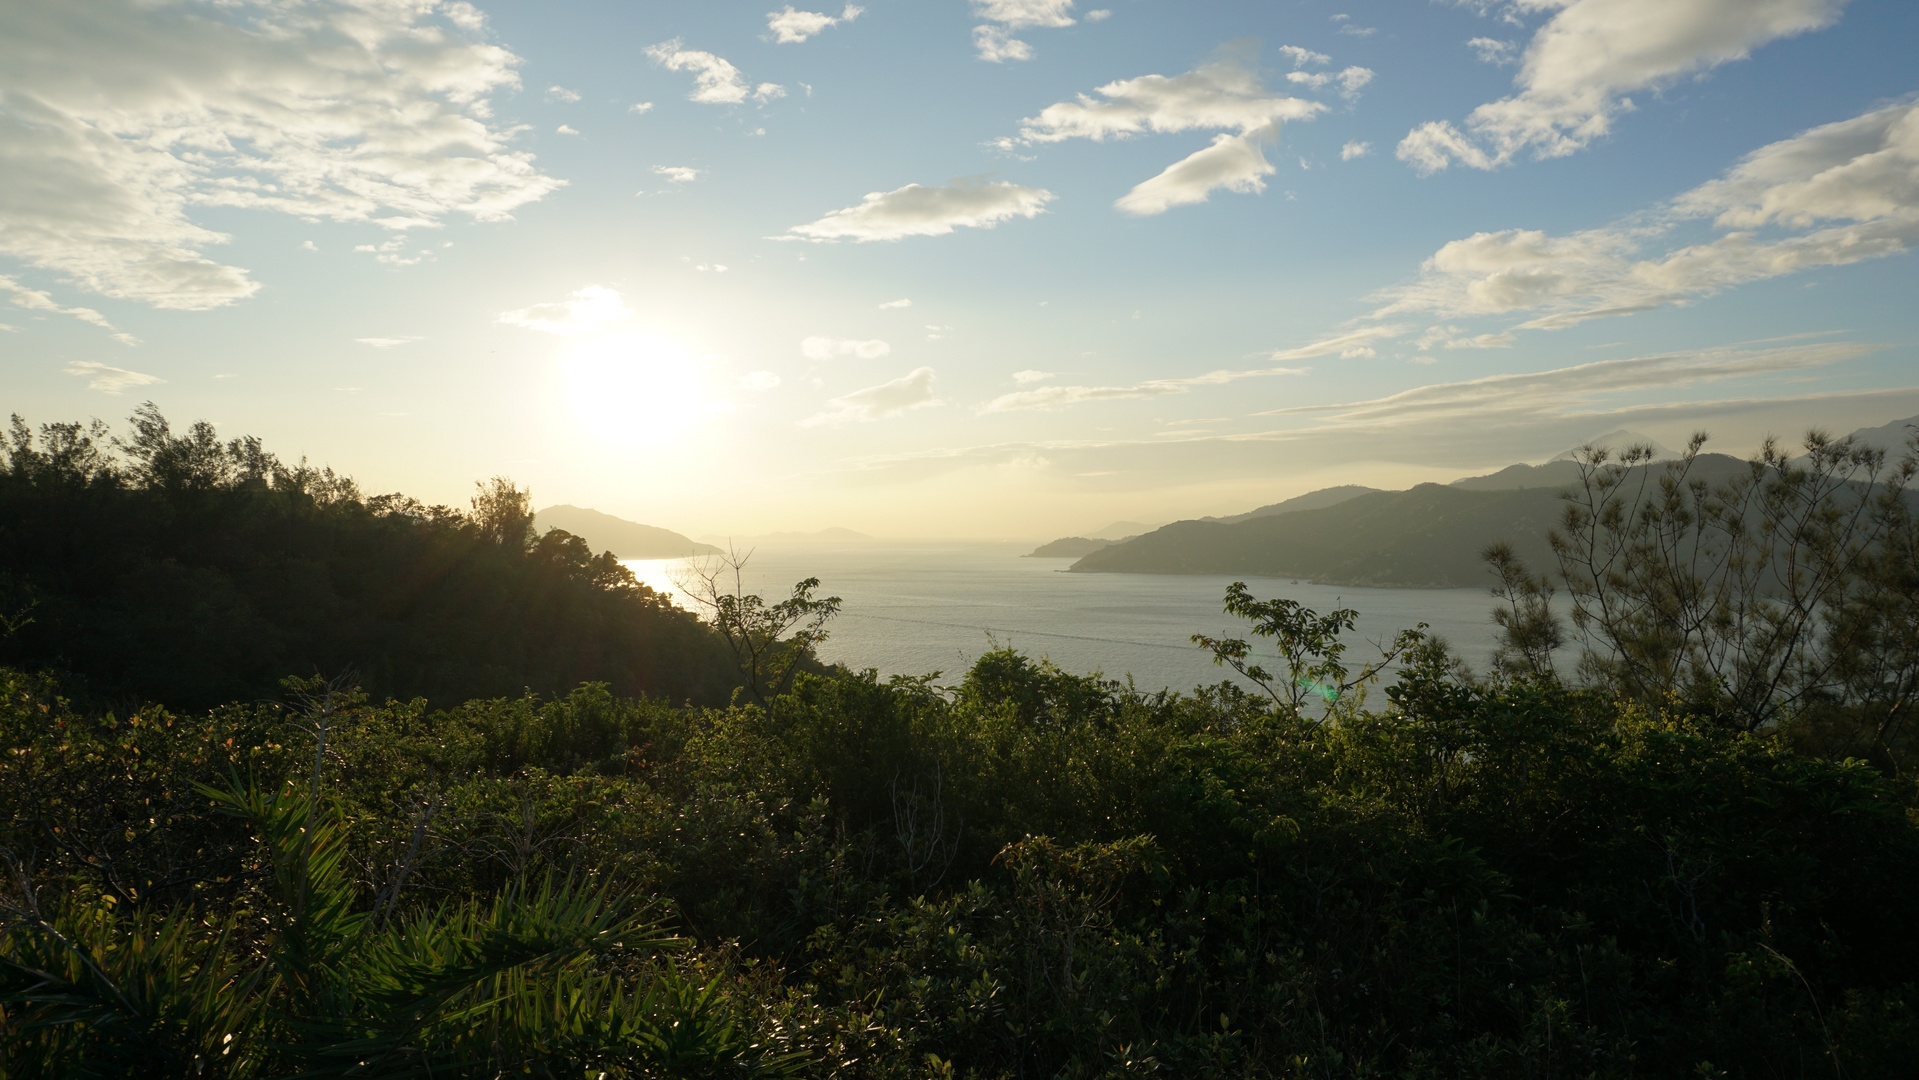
[{"x": 637, "y": 389}]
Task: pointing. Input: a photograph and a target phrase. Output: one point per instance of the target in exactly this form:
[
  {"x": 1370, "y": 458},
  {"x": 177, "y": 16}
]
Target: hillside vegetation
[
  {"x": 1692, "y": 851},
  {"x": 189, "y": 570}
]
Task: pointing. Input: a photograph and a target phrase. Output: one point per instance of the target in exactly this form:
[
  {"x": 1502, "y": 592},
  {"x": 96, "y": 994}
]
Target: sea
[{"x": 934, "y": 607}]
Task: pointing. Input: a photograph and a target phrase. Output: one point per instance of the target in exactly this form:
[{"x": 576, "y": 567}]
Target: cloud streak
[
  {"x": 913, "y": 390},
  {"x": 1533, "y": 396},
  {"x": 108, "y": 379},
  {"x": 915, "y": 210},
  {"x": 586, "y": 310}
]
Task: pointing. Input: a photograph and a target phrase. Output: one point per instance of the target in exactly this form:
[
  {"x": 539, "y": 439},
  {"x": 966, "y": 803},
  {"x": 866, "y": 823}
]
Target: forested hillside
[{"x": 189, "y": 570}]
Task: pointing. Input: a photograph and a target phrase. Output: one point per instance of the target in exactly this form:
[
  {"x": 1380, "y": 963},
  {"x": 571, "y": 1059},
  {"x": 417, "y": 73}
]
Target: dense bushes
[{"x": 1030, "y": 874}]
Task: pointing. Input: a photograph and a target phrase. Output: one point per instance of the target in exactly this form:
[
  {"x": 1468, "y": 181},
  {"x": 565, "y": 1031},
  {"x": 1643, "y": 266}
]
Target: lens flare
[{"x": 638, "y": 389}]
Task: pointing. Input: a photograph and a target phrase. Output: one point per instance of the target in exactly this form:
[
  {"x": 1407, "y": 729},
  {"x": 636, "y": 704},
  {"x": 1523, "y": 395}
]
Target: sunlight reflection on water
[{"x": 917, "y": 608}]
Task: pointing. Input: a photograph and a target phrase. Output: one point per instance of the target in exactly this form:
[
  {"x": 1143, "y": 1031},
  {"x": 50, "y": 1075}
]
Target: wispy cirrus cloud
[
  {"x": 587, "y": 309},
  {"x": 915, "y": 210},
  {"x": 1528, "y": 396},
  {"x": 109, "y": 379},
  {"x": 829, "y": 348},
  {"x": 1579, "y": 67},
  {"x": 913, "y": 390},
  {"x": 1055, "y": 397},
  {"x": 119, "y": 119},
  {"x": 41, "y": 300}
]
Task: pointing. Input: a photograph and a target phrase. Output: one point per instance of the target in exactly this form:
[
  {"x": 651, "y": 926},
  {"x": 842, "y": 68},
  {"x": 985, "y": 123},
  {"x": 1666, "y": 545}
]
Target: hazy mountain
[
  {"x": 1427, "y": 537},
  {"x": 1890, "y": 437},
  {"x": 1312, "y": 500},
  {"x": 1121, "y": 530},
  {"x": 1068, "y": 547},
  {"x": 625, "y": 539},
  {"x": 1617, "y": 441}
]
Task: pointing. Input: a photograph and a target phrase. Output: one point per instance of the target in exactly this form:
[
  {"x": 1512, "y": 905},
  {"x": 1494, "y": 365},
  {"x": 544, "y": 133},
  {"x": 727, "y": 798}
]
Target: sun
[{"x": 637, "y": 389}]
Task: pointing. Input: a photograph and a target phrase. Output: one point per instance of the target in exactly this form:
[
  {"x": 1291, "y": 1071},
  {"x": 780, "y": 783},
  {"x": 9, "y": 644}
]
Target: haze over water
[{"x": 916, "y": 608}]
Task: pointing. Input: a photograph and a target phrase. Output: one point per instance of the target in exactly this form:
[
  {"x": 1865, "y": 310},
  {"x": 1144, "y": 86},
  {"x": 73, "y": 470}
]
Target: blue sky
[{"x": 947, "y": 268}]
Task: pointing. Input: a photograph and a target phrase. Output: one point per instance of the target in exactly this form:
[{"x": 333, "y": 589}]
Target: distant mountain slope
[
  {"x": 1067, "y": 547},
  {"x": 1428, "y": 537},
  {"x": 1554, "y": 474},
  {"x": 1121, "y": 530},
  {"x": 625, "y": 539},
  {"x": 1312, "y": 500}
]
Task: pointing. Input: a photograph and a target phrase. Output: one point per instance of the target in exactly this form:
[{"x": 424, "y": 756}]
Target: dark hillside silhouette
[{"x": 190, "y": 571}]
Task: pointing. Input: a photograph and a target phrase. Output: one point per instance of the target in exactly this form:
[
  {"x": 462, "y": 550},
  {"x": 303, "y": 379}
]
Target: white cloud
[
  {"x": 1303, "y": 57},
  {"x": 911, "y": 391},
  {"x": 914, "y": 210},
  {"x": 1350, "y": 345},
  {"x": 1349, "y": 81},
  {"x": 1233, "y": 162},
  {"x": 567, "y": 129},
  {"x": 1580, "y": 65},
  {"x": 1530, "y": 396},
  {"x": 109, "y": 380},
  {"x": 759, "y": 381},
  {"x": 715, "y": 81},
  {"x": 118, "y": 118},
  {"x": 995, "y": 45},
  {"x": 1023, "y": 13},
  {"x": 385, "y": 342},
  {"x": 40, "y": 300},
  {"x": 900, "y": 303},
  {"x": 711, "y": 268},
  {"x": 826, "y": 348},
  {"x": 994, "y": 42},
  {"x": 791, "y": 26},
  {"x": 1493, "y": 51},
  {"x": 1222, "y": 94},
  {"x": 561, "y": 93},
  {"x": 1099, "y": 15},
  {"x": 1355, "y": 150},
  {"x": 1452, "y": 337},
  {"x": 679, "y": 174},
  {"x": 935, "y": 332},
  {"x": 1358, "y": 31},
  {"x": 1055, "y": 397},
  {"x": 587, "y": 309},
  {"x": 640, "y": 107},
  {"x": 1029, "y": 376},
  {"x": 1837, "y": 194}
]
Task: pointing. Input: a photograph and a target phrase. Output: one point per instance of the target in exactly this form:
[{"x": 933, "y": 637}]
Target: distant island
[
  {"x": 1429, "y": 536},
  {"x": 1068, "y": 547},
  {"x": 625, "y": 539}
]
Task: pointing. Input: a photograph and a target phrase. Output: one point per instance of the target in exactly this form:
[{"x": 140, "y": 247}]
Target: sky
[{"x": 957, "y": 268}]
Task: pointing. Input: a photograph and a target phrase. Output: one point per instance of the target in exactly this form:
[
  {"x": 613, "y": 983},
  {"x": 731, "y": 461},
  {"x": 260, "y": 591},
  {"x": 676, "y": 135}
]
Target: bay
[{"x": 918, "y": 608}]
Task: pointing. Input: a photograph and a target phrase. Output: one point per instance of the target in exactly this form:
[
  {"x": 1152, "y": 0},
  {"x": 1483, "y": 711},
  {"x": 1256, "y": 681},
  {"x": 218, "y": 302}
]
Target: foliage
[
  {"x": 1779, "y": 596},
  {"x": 175, "y": 567},
  {"x": 1028, "y": 873},
  {"x": 771, "y": 643}
]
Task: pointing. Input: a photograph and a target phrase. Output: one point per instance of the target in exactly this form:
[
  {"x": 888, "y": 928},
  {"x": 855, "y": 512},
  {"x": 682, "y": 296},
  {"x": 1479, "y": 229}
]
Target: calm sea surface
[{"x": 924, "y": 607}]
